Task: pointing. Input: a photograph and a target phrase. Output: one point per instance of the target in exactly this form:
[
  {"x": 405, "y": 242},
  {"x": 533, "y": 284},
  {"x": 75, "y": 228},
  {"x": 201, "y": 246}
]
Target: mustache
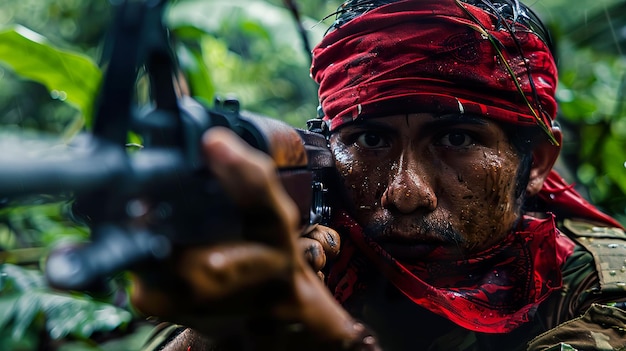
[{"x": 421, "y": 227}]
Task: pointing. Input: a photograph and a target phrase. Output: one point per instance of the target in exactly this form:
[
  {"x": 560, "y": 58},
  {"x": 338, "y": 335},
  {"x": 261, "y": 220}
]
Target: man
[{"x": 440, "y": 117}]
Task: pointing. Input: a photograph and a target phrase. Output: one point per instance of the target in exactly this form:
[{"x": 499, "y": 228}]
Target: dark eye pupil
[
  {"x": 456, "y": 139},
  {"x": 372, "y": 139}
]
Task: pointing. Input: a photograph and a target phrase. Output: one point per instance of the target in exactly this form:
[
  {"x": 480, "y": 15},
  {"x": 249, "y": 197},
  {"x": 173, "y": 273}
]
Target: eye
[
  {"x": 456, "y": 139},
  {"x": 371, "y": 140}
]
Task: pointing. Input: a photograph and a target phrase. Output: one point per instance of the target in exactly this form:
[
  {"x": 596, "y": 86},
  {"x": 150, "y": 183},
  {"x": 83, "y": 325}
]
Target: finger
[
  {"x": 322, "y": 276},
  {"x": 250, "y": 178},
  {"x": 227, "y": 270},
  {"x": 313, "y": 253},
  {"x": 240, "y": 167},
  {"x": 218, "y": 278},
  {"x": 328, "y": 238}
]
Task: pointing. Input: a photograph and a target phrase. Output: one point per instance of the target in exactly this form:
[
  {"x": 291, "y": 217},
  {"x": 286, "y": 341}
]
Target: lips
[
  {"x": 409, "y": 251},
  {"x": 412, "y": 238}
]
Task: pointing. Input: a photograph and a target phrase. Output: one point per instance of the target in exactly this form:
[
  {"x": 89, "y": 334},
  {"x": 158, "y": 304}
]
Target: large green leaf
[
  {"x": 70, "y": 77},
  {"x": 191, "y": 61},
  {"x": 24, "y": 298}
]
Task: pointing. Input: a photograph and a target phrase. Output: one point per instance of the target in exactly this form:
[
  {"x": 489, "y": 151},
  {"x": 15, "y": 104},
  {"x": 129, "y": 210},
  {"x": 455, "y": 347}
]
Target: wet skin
[{"x": 419, "y": 183}]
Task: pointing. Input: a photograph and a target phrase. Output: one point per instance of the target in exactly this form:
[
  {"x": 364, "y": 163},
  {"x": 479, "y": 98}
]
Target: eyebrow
[{"x": 440, "y": 120}]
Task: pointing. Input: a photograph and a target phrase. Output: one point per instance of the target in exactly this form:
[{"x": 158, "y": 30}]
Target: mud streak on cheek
[
  {"x": 362, "y": 179},
  {"x": 346, "y": 167},
  {"x": 498, "y": 203}
]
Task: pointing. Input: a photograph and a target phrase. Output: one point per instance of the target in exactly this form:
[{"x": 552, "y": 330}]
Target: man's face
[{"x": 419, "y": 182}]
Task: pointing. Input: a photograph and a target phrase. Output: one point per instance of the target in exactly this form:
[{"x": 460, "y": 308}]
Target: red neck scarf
[{"x": 491, "y": 292}]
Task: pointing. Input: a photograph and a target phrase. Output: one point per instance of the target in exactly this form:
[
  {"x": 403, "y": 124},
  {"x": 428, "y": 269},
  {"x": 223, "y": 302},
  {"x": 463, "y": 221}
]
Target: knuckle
[
  {"x": 315, "y": 252},
  {"x": 321, "y": 275},
  {"x": 328, "y": 238}
]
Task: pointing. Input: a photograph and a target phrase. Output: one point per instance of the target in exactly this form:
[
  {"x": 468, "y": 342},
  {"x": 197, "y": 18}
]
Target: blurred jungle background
[{"x": 50, "y": 70}]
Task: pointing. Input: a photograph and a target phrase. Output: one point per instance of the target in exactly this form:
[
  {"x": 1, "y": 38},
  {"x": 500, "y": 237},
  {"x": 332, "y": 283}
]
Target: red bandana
[
  {"x": 433, "y": 56},
  {"x": 491, "y": 292},
  {"x": 567, "y": 202}
]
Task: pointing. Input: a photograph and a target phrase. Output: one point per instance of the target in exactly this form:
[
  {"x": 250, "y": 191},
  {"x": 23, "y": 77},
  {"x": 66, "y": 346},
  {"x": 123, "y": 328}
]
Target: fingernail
[{"x": 217, "y": 260}]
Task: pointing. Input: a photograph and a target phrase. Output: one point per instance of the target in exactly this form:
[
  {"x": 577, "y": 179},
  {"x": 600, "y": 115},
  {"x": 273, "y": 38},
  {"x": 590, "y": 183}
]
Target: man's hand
[
  {"x": 319, "y": 246},
  {"x": 264, "y": 278}
]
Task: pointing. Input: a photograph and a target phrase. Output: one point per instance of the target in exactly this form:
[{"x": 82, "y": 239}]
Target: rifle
[{"x": 140, "y": 204}]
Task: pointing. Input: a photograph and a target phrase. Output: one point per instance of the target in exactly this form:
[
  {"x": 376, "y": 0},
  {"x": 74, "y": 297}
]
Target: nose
[{"x": 409, "y": 187}]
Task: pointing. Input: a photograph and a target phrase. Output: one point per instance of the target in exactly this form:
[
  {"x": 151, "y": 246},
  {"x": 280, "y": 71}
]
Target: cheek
[
  {"x": 489, "y": 208},
  {"x": 362, "y": 178}
]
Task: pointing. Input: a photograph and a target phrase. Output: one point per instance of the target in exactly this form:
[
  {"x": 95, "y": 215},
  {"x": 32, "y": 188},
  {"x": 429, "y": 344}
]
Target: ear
[{"x": 545, "y": 154}]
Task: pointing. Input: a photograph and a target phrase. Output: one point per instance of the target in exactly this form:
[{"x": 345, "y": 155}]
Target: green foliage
[
  {"x": 250, "y": 49},
  {"x": 38, "y": 225},
  {"x": 69, "y": 26},
  {"x": 28, "y": 305},
  {"x": 592, "y": 99},
  {"x": 69, "y": 77}
]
